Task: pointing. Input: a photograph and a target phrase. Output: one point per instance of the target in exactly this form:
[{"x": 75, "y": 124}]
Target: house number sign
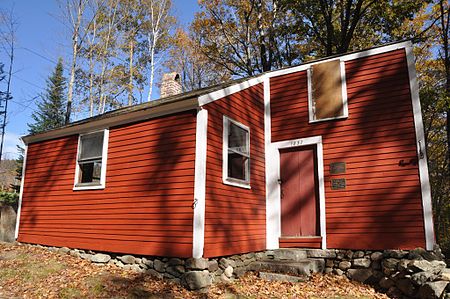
[{"x": 338, "y": 184}]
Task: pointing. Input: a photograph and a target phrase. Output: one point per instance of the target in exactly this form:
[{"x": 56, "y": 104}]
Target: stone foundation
[{"x": 402, "y": 274}]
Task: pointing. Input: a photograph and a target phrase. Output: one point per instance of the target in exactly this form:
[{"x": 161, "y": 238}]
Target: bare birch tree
[{"x": 157, "y": 27}]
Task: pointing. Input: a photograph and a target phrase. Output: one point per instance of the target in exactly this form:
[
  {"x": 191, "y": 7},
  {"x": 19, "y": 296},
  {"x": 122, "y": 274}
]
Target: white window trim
[
  {"x": 274, "y": 191},
  {"x": 344, "y": 96},
  {"x": 227, "y": 180},
  {"x": 102, "y": 185}
]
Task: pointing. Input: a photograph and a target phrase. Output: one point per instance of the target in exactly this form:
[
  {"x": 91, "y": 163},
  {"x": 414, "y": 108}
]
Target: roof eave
[{"x": 115, "y": 120}]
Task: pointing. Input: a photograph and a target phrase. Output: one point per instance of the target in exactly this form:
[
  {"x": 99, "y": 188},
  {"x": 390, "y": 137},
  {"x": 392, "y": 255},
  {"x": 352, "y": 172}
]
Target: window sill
[
  {"x": 88, "y": 187},
  {"x": 240, "y": 184},
  {"x": 311, "y": 121}
]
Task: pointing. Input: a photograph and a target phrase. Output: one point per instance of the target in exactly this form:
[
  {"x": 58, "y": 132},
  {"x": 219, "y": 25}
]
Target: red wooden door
[{"x": 298, "y": 192}]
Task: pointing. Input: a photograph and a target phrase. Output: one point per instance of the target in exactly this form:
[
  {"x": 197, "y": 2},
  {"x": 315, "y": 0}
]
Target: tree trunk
[{"x": 130, "y": 82}]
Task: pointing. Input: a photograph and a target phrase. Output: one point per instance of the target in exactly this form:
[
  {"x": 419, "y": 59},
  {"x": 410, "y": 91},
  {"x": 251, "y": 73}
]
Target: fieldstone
[
  {"x": 344, "y": 265},
  {"x": 360, "y": 275},
  {"x": 239, "y": 272},
  {"x": 389, "y": 265},
  {"x": 289, "y": 254},
  {"x": 100, "y": 258},
  {"x": 195, "y": 280},
  {"x": 361, "y": 263},
  {"x": 228, "y": 271},
  {"x": 224, "y": 262},
  {"x": 119, "y": 264},
  {"x": 127, "y": 259},
  {"x": 143, "y": 266},
  {"x": 338, "y": 272},
  {"x": 281, "y": 277},
  {"x": 176, "y": 271},
  {"x": 329, "y": 263},
  {"x": 358, "y": 254},
  {"x": 138, "y": 260},
  {"x": 376, "y": 256},
  {"x": 197, "y": 263},
  {"x": 321, "y": 253},
  {"x": 328, "y": 270},
  {"x": 74, "y": 253},
  {"x": 268, "y": 254},
  {"x": 86, "y": 256},
  {"x": 147, "y": 262},
  {"x": 445, "y": 275},
  {"x": 133, "y": 267},
  {"x": 421, "y": 277},
  {"x": 432, "y": 290},
  {"x": 393, "y": 292},
  {"x": 259, "y": 255},
  {"x": 425, "y": 266},
  {"x": 154, "y": 273},
  {"x": 402, "y": 265},
  {"x": 406, "y": 286},
  {"x": 386, "y": 283},
  {"x": 159, "y": 266},
  {"x": 175, "y": 262},
  {"x": 225, "y": 278},
  {"x": 397, "y": 254},
  {"x": 213, "y": 265},
  {"x": 63, "y": 250},
  {"x": 376, "y": 265}
]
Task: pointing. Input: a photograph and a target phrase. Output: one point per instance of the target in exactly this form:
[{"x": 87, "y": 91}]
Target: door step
[{"x": 304, "y": 267}]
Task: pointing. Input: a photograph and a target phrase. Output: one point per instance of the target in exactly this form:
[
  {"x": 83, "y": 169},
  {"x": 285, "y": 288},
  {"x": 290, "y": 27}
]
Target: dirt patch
[{"x": 31, "y": 272}]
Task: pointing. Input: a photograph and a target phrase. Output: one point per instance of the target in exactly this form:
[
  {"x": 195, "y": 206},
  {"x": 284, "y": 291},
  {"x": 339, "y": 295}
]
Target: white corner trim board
[
  {"x": 274, "y": 192},
  {"x": 421, "y": 151},
  {"x": 19, "y": 208},
  {"x": 200, "y": 184},
  {"x": 273, "y": 228}
]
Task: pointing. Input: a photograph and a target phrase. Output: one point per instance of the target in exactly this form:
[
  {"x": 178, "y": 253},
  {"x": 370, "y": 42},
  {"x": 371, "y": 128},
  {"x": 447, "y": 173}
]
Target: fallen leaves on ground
[{"x": 32, "y": 272}]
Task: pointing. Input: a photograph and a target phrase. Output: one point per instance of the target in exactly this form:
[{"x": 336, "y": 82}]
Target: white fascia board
[
  {"x": 200, "y": 184},
  {"x": 107, "y": 122},
  {"x": 215, "y": 95},
  {"x": 19, "y": 209},
  {"x": 421, "y": 151},
  {"x": 351, "y": 56}
]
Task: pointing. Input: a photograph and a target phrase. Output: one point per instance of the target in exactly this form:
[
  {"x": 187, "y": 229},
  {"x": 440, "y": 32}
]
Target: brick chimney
[{"x": 170, "y": 85}]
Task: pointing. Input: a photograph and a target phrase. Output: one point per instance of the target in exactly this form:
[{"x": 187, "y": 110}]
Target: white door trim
[
  {"x": 19, "y": 208},
  {"x": 274, "y": 192}
]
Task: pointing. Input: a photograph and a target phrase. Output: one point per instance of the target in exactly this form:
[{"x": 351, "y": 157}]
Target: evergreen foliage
[{"x": 51, "y": 109}]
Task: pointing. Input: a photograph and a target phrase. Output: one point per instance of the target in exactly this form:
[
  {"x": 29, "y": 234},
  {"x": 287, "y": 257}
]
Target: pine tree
[{"x": 51, "y": 109}]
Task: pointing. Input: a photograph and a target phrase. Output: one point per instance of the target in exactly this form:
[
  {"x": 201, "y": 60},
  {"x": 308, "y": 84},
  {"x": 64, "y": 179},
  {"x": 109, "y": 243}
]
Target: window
[
  {"x": 236, "y": 153},
  {"x": 327, "y": 91},
  {"x": 91, "y": 160}
]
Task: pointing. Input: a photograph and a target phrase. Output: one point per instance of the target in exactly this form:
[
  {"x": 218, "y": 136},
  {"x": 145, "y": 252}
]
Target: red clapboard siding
[
  {"x": 381, "y": 206},
  {"x": 235, "y": 217},
  {"x": 146, "y": 207}
]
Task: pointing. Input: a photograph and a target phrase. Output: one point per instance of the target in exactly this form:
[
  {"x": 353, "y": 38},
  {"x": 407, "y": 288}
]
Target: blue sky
[{"x": 41, "y": 39}]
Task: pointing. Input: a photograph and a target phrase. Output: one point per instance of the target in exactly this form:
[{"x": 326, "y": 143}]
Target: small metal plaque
[
  {"x": 338, "y": 184},
  {"x": 337, "y": 167}
]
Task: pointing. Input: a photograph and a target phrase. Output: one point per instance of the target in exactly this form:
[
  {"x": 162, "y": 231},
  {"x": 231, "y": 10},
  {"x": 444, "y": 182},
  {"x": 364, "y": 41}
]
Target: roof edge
[{"x": 89, "y": 124}]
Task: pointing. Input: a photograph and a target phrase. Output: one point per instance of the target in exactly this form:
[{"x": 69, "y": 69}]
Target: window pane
[
  {"x": 237, "y": 166},
  {"x": 326, "y": 84},
  {"x": 91, "y": 146},
  {"x": 90, "y": 172},
  {"x": 237, "y": 139}
]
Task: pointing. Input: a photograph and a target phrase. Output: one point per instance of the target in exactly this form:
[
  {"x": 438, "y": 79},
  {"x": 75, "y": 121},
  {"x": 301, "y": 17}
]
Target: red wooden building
[{"x": 327, "y": 154}]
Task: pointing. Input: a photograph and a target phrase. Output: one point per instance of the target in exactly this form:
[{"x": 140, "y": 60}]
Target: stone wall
[
  {"x": 7, "y": 223},
  {"x": 401, "y": 274}
]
